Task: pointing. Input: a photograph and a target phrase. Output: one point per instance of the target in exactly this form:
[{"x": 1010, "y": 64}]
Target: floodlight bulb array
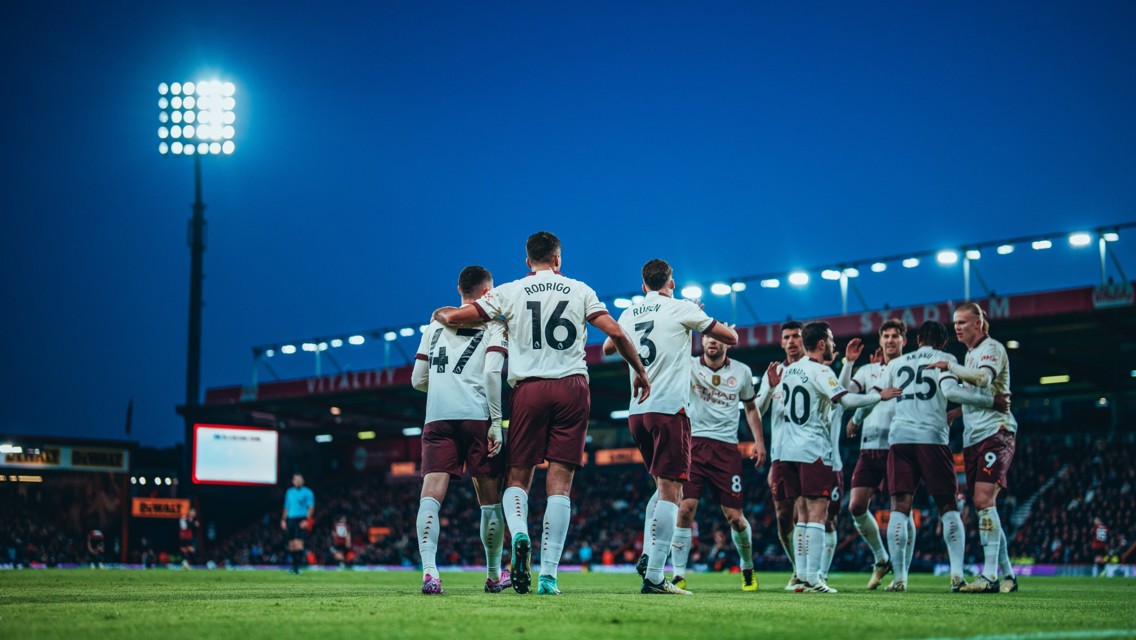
[{"x": 196, "y": 118}]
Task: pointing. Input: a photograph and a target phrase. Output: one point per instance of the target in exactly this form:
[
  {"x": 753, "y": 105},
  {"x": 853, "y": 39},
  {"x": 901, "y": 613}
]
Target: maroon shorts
[
  {"x": 776, "y": 481},
  {"x": 450, "y": 445},
  {"x": 549, "y": 421},
  {"x": 837, "y": 493},
  {"x": 808, "y": 479},
  {"x": 931, "y": 463},
  {"x": 664, "y": 441},
  {"x": 716, "y": 464},
  {"x": 871, "y": 470},
  {"x": 989, "y": 460}
]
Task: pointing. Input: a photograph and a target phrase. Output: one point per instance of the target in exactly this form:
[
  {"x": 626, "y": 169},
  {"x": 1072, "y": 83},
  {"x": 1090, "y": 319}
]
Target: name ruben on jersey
[{"x": 661, "y": 328}]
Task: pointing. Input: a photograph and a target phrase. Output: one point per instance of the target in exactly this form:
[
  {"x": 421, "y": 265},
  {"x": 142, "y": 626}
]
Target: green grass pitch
[{"x": 168, "y": 604}]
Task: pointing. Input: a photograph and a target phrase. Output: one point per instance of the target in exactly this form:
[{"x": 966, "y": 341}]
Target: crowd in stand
[{"x": 1087, "y": 481}]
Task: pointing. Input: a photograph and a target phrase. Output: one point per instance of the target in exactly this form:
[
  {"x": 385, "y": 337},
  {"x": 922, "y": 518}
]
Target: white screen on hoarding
[{"x": 234, "y": 455}]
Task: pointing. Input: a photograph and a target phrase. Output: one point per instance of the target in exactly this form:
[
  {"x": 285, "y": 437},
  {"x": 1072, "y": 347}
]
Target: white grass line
[{"x": 1052, "y": 635}]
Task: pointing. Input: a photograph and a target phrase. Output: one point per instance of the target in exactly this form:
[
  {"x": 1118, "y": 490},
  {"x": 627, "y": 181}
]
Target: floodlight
[
  {"x": 738, "y": 286},
  {"x": 1080, "y": 239},
  {"x": 1110, "y": 236},
  {"x": 770, "y": 283},
  {"x": 621, "y": 303},
  {"x": 406, "y": 332},
  {"x": 947, "y": 257},
  {"x": 412, "y": 431},
  {"x": 390, "y": 336},
  {"x": 827, "y": 274},
  {"x": 720, "y": 289},
  {"x": 799, "y": 278},
  {"x": 336, "y": 343},
  {"x": 852, "y": 272},
  {"x": 356, "y": 340},
  {"x": 692, "y": 291},
  {"x": 288, "y": 349},
  {"x": 879, "y": 267},
  {"x": 1041, "y": 245},
  {"x": 1005, "y": 249},
  {"x": 210, "y": 104},
  {"x": 911, "y": 263},
  {"x": 973, "y": 254}
]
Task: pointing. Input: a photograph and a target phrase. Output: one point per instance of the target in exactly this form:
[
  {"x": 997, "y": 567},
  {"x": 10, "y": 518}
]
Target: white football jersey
[
  {"x": 835, "y": 426},
  {"x": 714, "y": 396},
  {"x": 547, "y": 315},
  {"x": 874, "y": 430},
  {"x": 661, "y": 327},
  {"x": 809, "y": 390},
  {"x": 777, "y": 417},
  {"x": 921, "y": 412},
  {"x": 980, "y": 424},
  {"x": 456, "y": 359}
]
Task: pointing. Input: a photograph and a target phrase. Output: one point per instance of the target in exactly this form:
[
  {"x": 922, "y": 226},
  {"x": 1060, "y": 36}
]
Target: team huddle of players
[{"x": 683, "y": 417}]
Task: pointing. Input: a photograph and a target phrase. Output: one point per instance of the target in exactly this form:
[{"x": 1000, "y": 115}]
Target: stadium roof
[{"x": 1087, "y": 334}]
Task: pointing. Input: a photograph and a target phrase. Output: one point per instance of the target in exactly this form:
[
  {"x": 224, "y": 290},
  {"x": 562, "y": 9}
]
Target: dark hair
[
  {"x": 792, "y": 324},
  {"x": 813, "y": 333},
  {"x": 894, "y": 323},
  {"x": 656, "y": 274},
  {"x": 541, "y": 246},
  {"x": 933, "y": 334},
  {"x": 472, "y": 277}
]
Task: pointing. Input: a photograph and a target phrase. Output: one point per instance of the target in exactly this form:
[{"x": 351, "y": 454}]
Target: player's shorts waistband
[{"x": 525, "y": 380}]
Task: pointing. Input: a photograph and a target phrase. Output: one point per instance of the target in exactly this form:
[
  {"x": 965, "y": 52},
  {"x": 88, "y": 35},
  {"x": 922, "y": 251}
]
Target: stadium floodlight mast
[{"x": 195, "y": 119}]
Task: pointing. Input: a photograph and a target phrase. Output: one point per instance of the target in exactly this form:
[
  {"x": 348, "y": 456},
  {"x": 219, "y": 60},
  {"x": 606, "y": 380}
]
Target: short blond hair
[{"x": 976, "y": 310}]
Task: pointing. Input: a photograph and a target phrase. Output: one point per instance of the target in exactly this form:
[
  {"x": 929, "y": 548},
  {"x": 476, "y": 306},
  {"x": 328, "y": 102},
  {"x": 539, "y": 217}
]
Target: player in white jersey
[
  {"x": 769, "y": 398},
  {"x": 547, "y": 315},
  {"x": 988, "y": 440},
  {"x": 835, "y": 424},
  {"x": 809, "y": 389},
  {"x": 870, "y": 473},
  {"x": 717, "y": 385},
  {"x": 460, "y": 371},
  {"x": 660, "y": 425}
]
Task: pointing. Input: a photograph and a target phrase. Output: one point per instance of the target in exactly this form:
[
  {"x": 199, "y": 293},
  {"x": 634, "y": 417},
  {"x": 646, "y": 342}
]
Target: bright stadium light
[
  {"x": 910, "y": 263},
  {"x": 406, "y": 332},
  {"x": 412, "y": 431},
  {"x": 269, "y": 353},
  {"x": 366, "y": 435},
  {"x": 691, "y": 291},
  {"x": 356, "y": 340},
  {"x": 830, "y": 274},
  {"x": 423, "y": 328},
  {"x": 947, "y": 257},
  {"x": 879, "y": 267},
  {"x": 1080, "y": 239},
  {"x": 1013, "y": 344},
  {"x": 336, "y": 343},
  {"x": 798, "y": 278},
  {"x": 308, "y": 346},
  {"x": 288, "y": 349},
  {"x": 770, "y": 283},
  {"x": 973, "y": 254},
  {"x": 738, "y": 286},
  {"x": 324, "y": 438},
  {"x": 1059, "y": 379},
  {"x": 620, "y": 414},
  {"x": 1005, "y": 249},
  {"x": 390, "y": 336},
  {"x": 720, "y": 289},
  {"x": 210, "y": 104},
  {"x": 851, "y": 272},
  {"x": 1041, "y": 245},
  {"x": 11, "y": 448},
  {"x": 622, "y": 303},
  {"x": 1110, "y": 236},
  {"x": 637, "y": 299}
]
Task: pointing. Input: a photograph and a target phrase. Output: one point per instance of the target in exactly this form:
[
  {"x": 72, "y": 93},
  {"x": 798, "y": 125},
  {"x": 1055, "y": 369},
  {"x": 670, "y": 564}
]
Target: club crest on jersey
[
  {"x": 731, "y": 381},
  {"x": 716, "y": 379},
  {"x": 832, "y": 383}
]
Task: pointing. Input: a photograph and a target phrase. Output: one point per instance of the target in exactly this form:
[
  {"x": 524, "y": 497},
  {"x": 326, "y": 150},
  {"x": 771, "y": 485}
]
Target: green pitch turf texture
[{"x": 244, "y": 605}]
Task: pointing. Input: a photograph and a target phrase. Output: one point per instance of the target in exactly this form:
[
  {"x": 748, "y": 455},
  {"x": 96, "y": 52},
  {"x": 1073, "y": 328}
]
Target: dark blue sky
[{"x": 381, "y": 147}]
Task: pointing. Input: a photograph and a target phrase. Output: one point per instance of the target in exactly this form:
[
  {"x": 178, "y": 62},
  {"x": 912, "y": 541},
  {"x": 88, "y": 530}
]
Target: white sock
[
  {"x": 662, "y": 528},
  {"x": 680, "y": 549},
  {"x": 990, "y": 535},
  {"x": 492, "y": 537},
  {"x": 955, "y": 537},
  {"x": 909, "y": 553},
  {"x": 1004, "y": 563},
  {"x": 800, "y": 565},
  {"x": 870, "y": 531},
  {"x": 829, "y": 552},
  {"x": 743, "y": 542},
  {"x": 814, "y": 550},
  {"x": 648, "y": 514},
  {"x": 897, "y": 544},
  {"x": 557, "y": 514},
  {"x": 428, "y": 526},
  {"x": 515, "y": 502}
]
